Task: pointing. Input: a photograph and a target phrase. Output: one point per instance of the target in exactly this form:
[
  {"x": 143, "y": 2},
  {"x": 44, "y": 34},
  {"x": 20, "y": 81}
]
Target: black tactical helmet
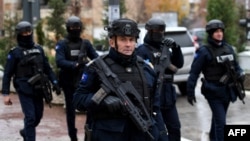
[
  {"x": 155, "y": 24},
  {"x": 214, "y": 24},
  {"x": 123, "y": 27},
  {"x": 23, "y": 26},
  {"x": 74, "y": 21}
]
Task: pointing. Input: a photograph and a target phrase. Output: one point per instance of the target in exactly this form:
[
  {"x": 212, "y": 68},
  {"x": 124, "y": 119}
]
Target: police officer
[
  {"x": 23, "y": 62},
  {"x": 72, "y": 53},
  {"x": 150, "y": 51},
  {"x": 109, "y": 120},
  {"x": 209, "y": 60}
]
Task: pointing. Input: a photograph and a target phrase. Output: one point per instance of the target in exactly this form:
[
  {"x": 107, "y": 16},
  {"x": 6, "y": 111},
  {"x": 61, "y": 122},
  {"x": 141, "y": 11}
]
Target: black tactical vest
[
  {"x": 73, "y": 50},
  {"x": 155, "y": 54},
  {"x": 155, "y": 58},
  {"x": 135, "y": 75},
  {"x": 215, "y": 69},
  {"x": 30, "y": 62}
]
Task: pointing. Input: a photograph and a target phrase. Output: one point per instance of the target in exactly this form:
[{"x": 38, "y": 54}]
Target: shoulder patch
[
  {"x": 57, "y": 47},
  {"x": 84, "y": 78},
  {"x": 196, "y": 55},
  {"x": 149, "y": 63},
  {"x": 9, "y": 56}
]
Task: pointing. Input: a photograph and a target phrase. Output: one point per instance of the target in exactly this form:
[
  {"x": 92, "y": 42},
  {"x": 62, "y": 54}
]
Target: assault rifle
[
  {"x": 82, "y": 57},
  {"x": 164, "y": 63},
  {"x": 81, "y": 60},
  {"x": 41, "y": 82},
  {"x": 236, "y": 84},
  {"x": 111, "y": 83}
]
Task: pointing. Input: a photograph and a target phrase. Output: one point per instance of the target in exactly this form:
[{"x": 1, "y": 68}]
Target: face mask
[
  {"x": 75, "y": 33},
  {"x": 25, "y": 41},
  {"x": 157, "y": 36}
]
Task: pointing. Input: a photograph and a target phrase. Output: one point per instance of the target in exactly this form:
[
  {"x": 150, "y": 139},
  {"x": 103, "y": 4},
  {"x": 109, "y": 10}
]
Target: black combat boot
[{"x": 22, "y": 134}]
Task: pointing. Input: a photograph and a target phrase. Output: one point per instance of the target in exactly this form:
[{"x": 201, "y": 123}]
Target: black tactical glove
[
  {"x": 169, "y": 42},
  {"x": 57, "y": 89},
  {"x": 113, "y": 103},
  {"x": 242, "y": 77},
  {"x": 80, "y": 65},
  {"x": 191, "y": 99}
]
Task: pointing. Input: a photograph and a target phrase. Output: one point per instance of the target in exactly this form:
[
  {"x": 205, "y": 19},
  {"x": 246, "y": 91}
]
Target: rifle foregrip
[{"x": 99, "y": 96}]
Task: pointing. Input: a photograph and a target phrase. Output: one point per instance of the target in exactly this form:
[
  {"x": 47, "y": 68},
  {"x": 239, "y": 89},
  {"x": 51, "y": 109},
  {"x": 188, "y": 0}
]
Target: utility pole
[
  {"x": 31, "y": 11},
  {"x": 1, "y": 18},
  {"x": 114, "y": 10},
  {"x": 246, "y": 22}
]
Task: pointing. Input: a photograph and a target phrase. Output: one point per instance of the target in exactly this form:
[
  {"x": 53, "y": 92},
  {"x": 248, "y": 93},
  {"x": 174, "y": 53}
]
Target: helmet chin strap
[{"x": 116, "y": 45}]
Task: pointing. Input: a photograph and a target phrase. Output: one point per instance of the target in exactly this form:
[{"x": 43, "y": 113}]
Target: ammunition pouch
[
  {"x": 34, "y": 79},
  {"x": 215, "y": 89},
  {"x": 224, "y": 79},
  {"x": 168, "y": 78}
]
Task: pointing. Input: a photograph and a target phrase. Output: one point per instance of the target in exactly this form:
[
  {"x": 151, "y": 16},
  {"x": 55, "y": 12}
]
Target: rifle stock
[{"x": 110, "y": 83}]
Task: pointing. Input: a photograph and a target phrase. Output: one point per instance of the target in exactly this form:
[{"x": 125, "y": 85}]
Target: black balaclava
[
  {"x": 74, "y": 34},
  {"x": 156, "y": 36},
  {"x": 25, "y": 41},
  {"x": 151, "y": 41},
  {"x": 124, "y": 60}
]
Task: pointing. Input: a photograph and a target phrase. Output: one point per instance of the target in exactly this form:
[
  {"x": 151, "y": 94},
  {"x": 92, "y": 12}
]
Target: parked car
[
  {"x": 199, "y": 35},
  {"x": 1, "y": 71},
  {"x": 182, "y": 36}
]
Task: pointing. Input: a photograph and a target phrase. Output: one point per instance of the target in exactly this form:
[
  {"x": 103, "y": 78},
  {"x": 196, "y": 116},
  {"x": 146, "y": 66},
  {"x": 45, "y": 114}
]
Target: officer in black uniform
[
  {"x": 108, "y": 119},
  {"x": 151, "y": 51},
  {"x": 25, "y": 61},
  {"x": 209, "y": 60},
  {"x": 72, "y": 53}
]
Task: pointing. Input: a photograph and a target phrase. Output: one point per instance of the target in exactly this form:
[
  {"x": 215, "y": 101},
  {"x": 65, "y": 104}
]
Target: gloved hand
[
  {"x": 191, "y": 99},
  {"x": 57, "y": 89},
  {"x": 169, "y": 42},
  {"x": 80, "y": 65},
  {"x": 242, "y": 77},
  {"x": 113, "y": 103}
]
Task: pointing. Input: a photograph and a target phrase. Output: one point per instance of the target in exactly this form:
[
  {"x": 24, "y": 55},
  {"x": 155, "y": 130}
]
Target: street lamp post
[
  {"x": 114, "y": 10},
  {"x": 31, "y": 11}
]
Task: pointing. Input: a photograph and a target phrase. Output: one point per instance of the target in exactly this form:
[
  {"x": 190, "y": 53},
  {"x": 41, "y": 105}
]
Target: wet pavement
[
  {"x": 51, "y": 128},
  {"x": 195, "y": 120}
]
